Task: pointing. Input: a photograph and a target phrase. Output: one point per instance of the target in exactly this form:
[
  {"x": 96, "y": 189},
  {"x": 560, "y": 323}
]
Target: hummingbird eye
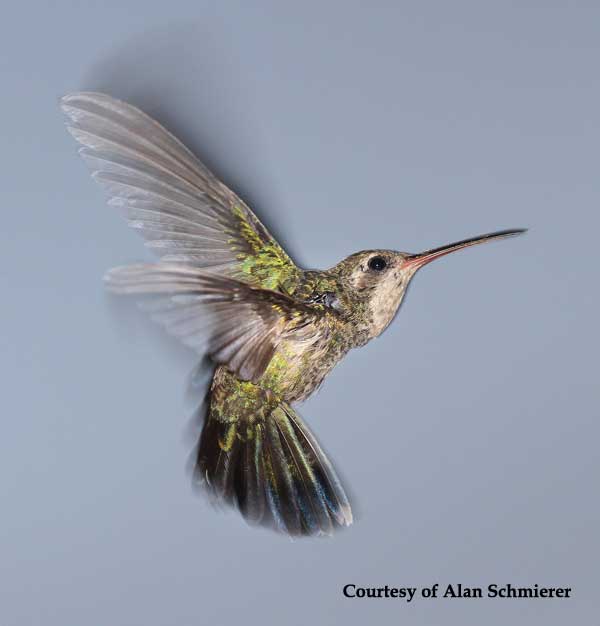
[{"x": 377, "y": 263}]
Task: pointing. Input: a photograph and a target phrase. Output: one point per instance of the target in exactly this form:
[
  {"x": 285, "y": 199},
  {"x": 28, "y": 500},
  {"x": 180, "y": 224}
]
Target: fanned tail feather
[{"x": 273, "y": 470}]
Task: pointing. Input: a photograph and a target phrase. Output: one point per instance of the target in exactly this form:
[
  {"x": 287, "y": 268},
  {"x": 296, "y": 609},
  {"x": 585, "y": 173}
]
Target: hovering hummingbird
[{"x": 228, "y": 289}]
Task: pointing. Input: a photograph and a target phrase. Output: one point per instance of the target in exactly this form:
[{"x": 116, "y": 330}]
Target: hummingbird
[{"x": 226, "y": 288}]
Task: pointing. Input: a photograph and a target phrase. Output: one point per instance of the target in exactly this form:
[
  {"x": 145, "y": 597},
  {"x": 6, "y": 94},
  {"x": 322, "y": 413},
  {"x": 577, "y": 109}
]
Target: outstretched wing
[
  {"x": 238, "y": 325},
  {"x": 185, "y": 213}
]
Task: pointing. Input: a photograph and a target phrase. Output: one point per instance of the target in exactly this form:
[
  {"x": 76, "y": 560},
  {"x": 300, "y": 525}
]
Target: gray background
[{"x": 468, "y": 433}]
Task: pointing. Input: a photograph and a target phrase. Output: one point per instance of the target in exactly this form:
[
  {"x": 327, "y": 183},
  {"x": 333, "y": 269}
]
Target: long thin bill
[{"x": 418, "y": 260}]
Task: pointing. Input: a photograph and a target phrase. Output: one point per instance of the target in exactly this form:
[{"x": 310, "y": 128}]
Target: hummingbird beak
[{"x": 416, "y": 261}]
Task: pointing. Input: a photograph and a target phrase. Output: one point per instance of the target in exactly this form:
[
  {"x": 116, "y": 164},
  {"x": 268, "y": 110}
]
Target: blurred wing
[
  {"x": 240, "y": 326},
  {"x": 185, "y": 213}
]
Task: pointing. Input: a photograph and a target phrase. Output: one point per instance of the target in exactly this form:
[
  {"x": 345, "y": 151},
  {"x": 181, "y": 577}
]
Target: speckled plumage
[{"x": 227, "y": 287}]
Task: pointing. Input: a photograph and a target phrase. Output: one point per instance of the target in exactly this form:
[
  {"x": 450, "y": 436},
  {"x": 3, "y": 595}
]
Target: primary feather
[
  {"x": 183, "y": 211},
  {"x": 240, "y": 326}
]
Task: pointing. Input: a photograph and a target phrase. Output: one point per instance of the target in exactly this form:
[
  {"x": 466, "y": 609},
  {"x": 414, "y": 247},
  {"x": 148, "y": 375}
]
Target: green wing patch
[{"x": 262, "y": 261}]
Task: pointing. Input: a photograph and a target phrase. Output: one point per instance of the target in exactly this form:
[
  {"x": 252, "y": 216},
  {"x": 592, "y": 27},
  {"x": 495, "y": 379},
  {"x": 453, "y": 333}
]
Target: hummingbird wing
[
  {"x": 238, "y": 325},
  {"x": 184, "y": 212}
]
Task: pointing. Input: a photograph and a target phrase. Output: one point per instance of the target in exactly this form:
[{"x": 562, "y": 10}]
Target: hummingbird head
[{"x": 380, "y": 278}]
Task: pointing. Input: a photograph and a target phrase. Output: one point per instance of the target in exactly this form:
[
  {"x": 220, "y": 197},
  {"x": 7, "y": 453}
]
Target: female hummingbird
[{"x": 229, "y": 289}]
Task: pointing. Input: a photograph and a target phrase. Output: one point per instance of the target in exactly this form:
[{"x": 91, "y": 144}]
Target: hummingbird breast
[
  {"x": 300, "y": 364},
  {"x": 306, "y": 355}
]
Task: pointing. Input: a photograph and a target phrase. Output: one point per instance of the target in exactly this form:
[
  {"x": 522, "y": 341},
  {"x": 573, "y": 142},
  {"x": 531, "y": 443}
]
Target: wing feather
[
  {"x": 183, "y": 211},
  {"x": 239, "y": 325}
]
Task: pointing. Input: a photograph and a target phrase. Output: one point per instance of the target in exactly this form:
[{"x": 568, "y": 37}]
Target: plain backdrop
[{"x": 467, "y": 434}]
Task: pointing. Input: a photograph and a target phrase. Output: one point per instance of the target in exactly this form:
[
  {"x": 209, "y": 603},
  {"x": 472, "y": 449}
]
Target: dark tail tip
[{"x": 274, "y": 472}]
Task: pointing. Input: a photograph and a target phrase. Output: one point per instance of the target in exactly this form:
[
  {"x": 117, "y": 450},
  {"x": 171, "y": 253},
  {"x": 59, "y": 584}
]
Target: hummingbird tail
[{"x": 256, "y": 453}]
